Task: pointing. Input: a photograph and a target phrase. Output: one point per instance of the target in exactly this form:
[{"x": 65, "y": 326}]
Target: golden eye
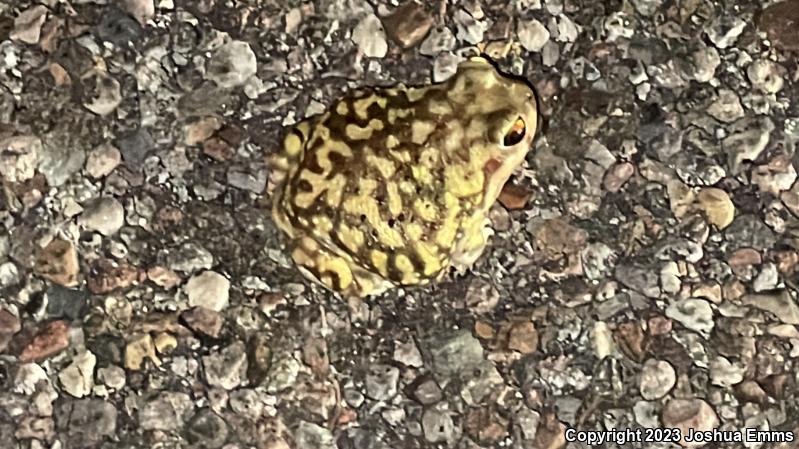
[{"x": 515, "y": 134}]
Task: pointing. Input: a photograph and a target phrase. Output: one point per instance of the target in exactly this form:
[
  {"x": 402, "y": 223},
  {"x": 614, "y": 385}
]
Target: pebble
[
  {"x": 118, "y": 28},
  {"x": 189, "y": 258},
  {"x": 657, "y": 379},
  {"x": 166, "y": 411},
  {"x": 779, "y": 303},
  {"x": 469, "y": 28},
  {"x": 381, "y": 382},
  {"x": 727, "y": 107},
  {"x": 705, "y": 61},
  {"x": 438, "y": 426},
  {"x": 779, "y": 21},
  {"x": 253, "y": 181},
  {"x": 247, "y": 402},
  {"x": 689, "y": 414},
  {"x": 231, "y": 65},
  {"x": 717, "y": 206},
  {"x": 227, "y": 368},
  {"x": 51, "y": 339},
  {"x": 523, "y": 337},
  {"x": 408, "y": 24},
  {"x": 408, "y": 354},
  {"x": 104, "y": 215},
  {"x": 440, "y": 39},
  {"x": 9, "y": 326},
  {"x": 141, "y": 10},
  {"x": 105, "y": 94},
  {"x": 370, "y": 37},
  {"x": 766, "y": 76},
  {"x": 725, "y": 29},
  {"x": 749, "y": 231},
  {"x": 19, "y": 156},
  {"x": 695, "y": 314},
  {"x": 9, "y": 275},
  {"x": 203, "y": 321},
  {"x": 427, "y": 392},
  {"x": 776, "y": 176},
  {"x": 311, "y": 436},
  {"x": 455, "y": 353},
  {"x": 112, "y": 376},
  {"x": 747, "y": 142},
  {"x": 208, "y": 289},
  {"x": 617, "y": 175},
  {"x": 102, "y": 161},
  {"x": 59, "y": 160},
  {"x": 639, "y": 278},
  {"x": 444, "y": 66},
  {"x": 134, "y": 147},
  {"x": 28, "y": 24},
  {"x": 724, "y": 373},
  {"x": 532, "y": 34},
  {"x": 138, "y": 349},
  {"x": 206, "y": 429},
  {"x": 77, "y": 379},
  {"x": 164, "y": 277},
  {"x": 283, "y": 373},
  {"x": 93, "y": 419},
  {"x": 767, "y": 279}
]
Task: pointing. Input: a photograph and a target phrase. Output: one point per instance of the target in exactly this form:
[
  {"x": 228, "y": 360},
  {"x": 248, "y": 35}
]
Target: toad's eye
[{"x": 515, "y": 134}]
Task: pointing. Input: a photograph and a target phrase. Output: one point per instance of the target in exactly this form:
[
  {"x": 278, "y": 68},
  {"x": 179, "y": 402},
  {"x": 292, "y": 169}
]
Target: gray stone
[
  {"x": 167, "y": 411},
  {"x": 9, "y": 274},
  {"x": 639, "y": 278},
  {"x": 727, "y": 107},
  {"x": 104, "y": 215},
  {"x": 470, "y": 30},
  {"x": 381, "y": 382},
  {"x": 533, "y": 35},
  {"x": 311, "y": 436},
  {"x": 66, "y": 302},
  {"x": 725, "y": 29},
  {"x": 695, "y": 314},
  {"x": 247, "y": 402},
  {"x": 749, "y": 231},
  {"x": 232, "y": 65},
  {"x": 135, "y": 146},
  {"x": 283, "y": 373},
  {"x": 227, "y": 368},
  {"x": 77, "y": 379},
  {"x": 780, "y": 303},
  {"x": 427, "y": 392},
  {"x": 725, "y": 373},
  {"x": 657, "y": 379},
  {"x": 209, "y": 289},
  {"x": 102, "y": 161},
  {"x": 440, "y": 39},
  {"x": 370, "y": 37},
  {"x": 189, "y": 258},
  {"x": 206, "y": 429},
  {"x": 94, "y": 418},
  {"x": 438, "y": 426},
  {"x": 254, "y": 181},
  {"x": 455, "y": 353},
  {"x": 19, "y": 156}
]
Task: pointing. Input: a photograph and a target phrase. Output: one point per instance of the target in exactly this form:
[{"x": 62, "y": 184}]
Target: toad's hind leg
[{"x": 333, "y": 271}]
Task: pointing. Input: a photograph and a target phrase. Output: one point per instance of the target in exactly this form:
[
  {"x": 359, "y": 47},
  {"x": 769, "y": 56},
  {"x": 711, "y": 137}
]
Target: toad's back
[{"x": 384, "y": 183}]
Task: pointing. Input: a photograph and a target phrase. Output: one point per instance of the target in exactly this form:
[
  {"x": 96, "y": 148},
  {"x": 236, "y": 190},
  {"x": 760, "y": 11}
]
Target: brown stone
[
  {"x": 484, "y": 330},
  {"x": 164, "y": 277},
  {"x": 523, "y": 337},
  {"x": 408, "y": 24},
  {"x": 743, "y": 261},
  {"x": 200, "y": 130},
  {"x": 557, "y": 236},
  {"x": 779, "y": 386},
  {"x": 58, "y": 262},
  {"x": 203, "y": 321},
  {"x": 485, "y": 425},
  {"x": 218, "y": 149},
  {"x": 51, "y": 339},
  {"x": 659, "y": 325},
  {"x": 630, "y": 338},
  {"x": 9, "y": 326},
  {"x": 750, "y": 391},
  {"x": 689, "y": 414},
  {"x": 514, "y": 197},
  {"x": 107, "y": 276},
  {"x": 780, "y": 21},
  {"x": 617, "y": 176},
  {"x": 551, "y": 433}
]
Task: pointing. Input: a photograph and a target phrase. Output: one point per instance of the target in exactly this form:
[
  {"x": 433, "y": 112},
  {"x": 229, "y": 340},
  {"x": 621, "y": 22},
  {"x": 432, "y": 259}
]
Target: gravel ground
[{"x": 643, "y": 273}]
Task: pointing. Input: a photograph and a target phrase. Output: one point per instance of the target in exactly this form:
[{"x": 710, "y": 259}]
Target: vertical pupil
[{"x": 515, "y": 134}]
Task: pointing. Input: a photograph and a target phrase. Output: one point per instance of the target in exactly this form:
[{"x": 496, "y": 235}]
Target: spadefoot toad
[{"x": 392, "y": 186}]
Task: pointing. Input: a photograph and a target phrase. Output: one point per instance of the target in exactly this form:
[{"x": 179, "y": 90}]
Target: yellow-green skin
[{"x": 392, "y": 186}]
